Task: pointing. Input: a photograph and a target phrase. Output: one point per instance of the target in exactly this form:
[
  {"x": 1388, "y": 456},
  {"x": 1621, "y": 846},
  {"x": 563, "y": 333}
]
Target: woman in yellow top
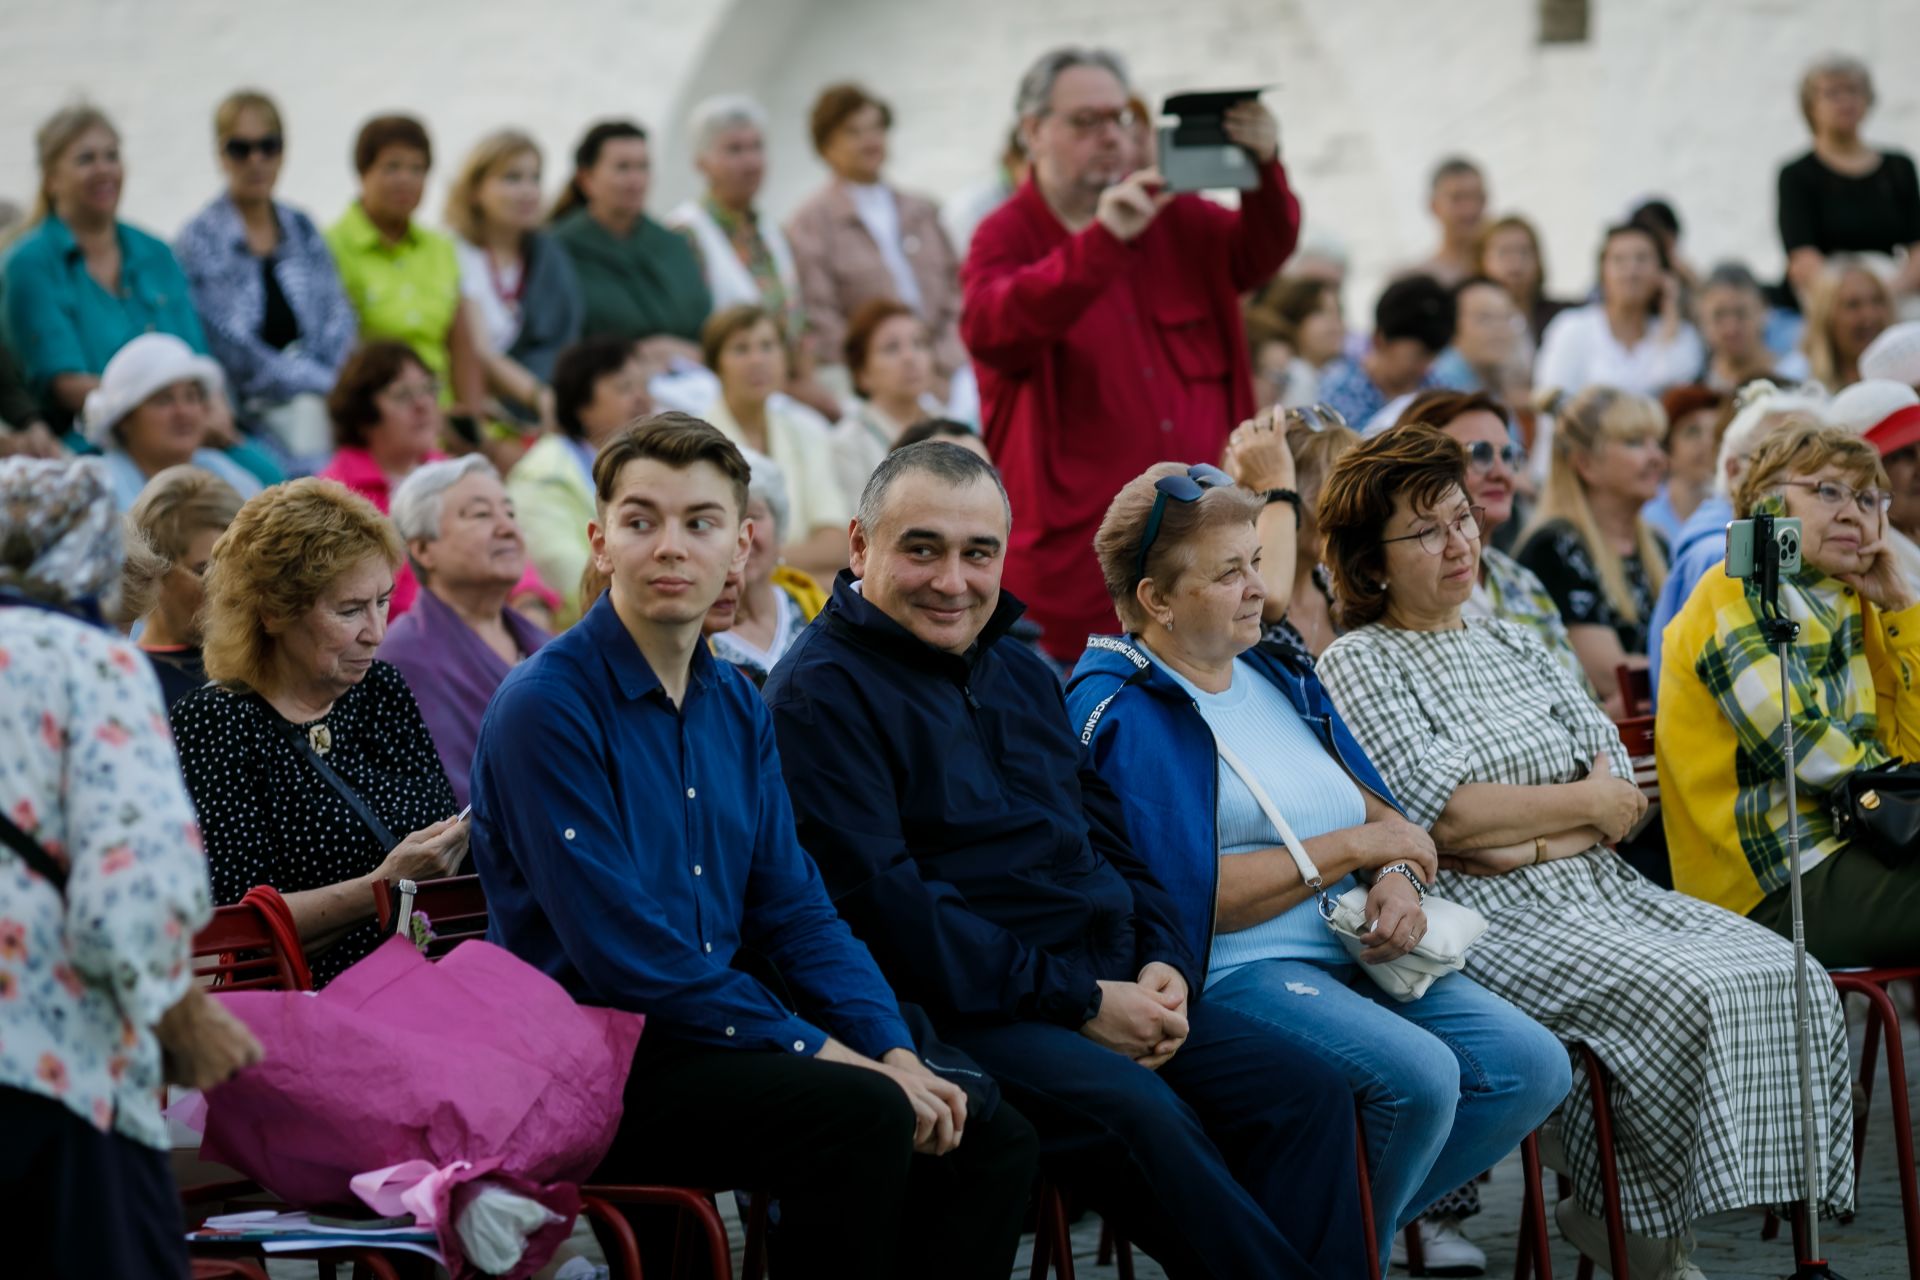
[{"x": 1853, "y": 670}]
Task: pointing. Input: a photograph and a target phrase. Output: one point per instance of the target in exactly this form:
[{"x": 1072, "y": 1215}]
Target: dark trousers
[
  {"x": 77, "y": 1203},
  {"x": 1859, "y": 911},
  {"x": 1236, "y": 1158},
  {"x": 833, "y": 1145}
]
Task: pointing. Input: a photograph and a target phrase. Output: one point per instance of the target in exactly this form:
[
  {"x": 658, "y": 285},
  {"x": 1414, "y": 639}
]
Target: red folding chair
[
  {"x": 237, "y": 951},
  {"x": 1883, "y": 1027},
  {"x": 456, "y": 910},
  {"x": 1636, "y": 690},
  {"x": 1533, "y": 1244}
]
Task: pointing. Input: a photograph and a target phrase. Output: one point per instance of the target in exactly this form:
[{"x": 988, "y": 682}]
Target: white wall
[{"x": 1694, "y": 99}]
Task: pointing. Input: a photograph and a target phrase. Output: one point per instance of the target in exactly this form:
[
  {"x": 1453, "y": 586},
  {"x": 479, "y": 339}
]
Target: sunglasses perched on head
[
  {"x": 1315, "y": 417},
  {"x": 239, "y": 149},
  {"x": 1189, "y": 487}
]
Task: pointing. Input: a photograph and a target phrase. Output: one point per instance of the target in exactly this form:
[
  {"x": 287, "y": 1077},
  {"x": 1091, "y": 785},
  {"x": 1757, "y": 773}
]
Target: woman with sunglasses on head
[
  {"x": 1203, "y": 732},
  {"x": 1601, "y": 562},
  {"x": 1854, "y": 672},
  {"x": 1522, "y": 781},
  {"x": 1504, "y": 588},
  {"x": 266, "y": 288}
]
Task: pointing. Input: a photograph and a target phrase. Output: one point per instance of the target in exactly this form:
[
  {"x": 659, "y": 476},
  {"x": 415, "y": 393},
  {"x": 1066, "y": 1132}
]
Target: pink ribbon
[{"x": 409, "y": 1187}]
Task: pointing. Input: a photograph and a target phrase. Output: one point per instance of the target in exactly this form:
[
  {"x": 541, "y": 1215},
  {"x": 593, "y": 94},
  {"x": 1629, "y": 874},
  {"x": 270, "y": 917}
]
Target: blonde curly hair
[{"x": 281, "y": 553}]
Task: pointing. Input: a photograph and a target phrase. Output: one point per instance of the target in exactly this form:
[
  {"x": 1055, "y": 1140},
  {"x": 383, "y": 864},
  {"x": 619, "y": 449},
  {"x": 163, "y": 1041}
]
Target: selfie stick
[{"x": 1781, "y": 630}]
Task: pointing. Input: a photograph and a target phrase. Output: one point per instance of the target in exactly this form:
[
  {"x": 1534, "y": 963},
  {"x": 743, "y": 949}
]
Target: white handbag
[{"x": 1451, "y": 928}]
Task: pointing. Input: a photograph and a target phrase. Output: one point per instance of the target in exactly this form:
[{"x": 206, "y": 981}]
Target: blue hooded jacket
[{"x": 1154, "y": 748}]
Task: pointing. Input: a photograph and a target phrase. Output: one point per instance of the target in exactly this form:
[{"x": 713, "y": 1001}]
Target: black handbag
[{"x": 1878, "y": 810}]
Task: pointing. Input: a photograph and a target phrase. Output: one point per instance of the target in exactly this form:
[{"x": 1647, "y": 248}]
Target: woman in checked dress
[{"x": 1523, "y": 782}]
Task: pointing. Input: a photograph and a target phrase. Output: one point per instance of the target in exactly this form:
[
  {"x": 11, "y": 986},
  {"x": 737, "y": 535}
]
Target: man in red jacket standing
[{"x": 1103, "y": 318}]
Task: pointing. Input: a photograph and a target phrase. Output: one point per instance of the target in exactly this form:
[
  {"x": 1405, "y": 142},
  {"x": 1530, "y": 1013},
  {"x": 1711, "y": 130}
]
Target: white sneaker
[
  {"x": 1648, "y": 1258},
  {"x": 1445, "y": 1251}
]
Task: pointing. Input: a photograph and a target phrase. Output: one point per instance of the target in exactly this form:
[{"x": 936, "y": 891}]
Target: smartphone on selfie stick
[{"x": 1763, "y": 550}]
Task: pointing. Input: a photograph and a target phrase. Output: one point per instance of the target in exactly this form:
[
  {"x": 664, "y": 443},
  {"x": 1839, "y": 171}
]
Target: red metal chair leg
[
  {"x": 615, "y": 1235},
  {"x": 1052, "y": 1239},
  {"x": 753, "y": 1262},
  {"x": 1366, "y": 1198},
  {"x": 1597, "y": 1078},
  {"x": 1535, "y": 1244},
  {"x": 1881, "y": 1006},
  {"x": 1416, "y": 1250},
  {"x": 693, "y": 1205}
]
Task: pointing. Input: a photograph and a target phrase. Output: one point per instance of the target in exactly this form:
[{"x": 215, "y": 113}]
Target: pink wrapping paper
[{"x": 480, "y": 1058}]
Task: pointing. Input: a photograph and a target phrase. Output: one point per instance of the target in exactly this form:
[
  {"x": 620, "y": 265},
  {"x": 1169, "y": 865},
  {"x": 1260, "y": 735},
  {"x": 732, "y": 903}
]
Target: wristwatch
[{"x": 1289, "y": 497}]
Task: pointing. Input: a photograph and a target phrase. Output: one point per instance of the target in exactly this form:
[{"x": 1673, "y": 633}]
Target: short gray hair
[
  {"x": 1730, "y": 275},
  {"x": 940, "y": 459},
  {"x": 713, "y": 116},
  {"x": 769, "y": 483},
  {"x": 1036, "y": 87},
  {"x": 417, "y": 502}
]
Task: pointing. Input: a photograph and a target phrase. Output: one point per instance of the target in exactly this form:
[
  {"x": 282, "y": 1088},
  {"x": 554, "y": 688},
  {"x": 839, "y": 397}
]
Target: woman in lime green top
[
  {"x": 403, "y": 280},
  {"x": 640, "y": 281}
]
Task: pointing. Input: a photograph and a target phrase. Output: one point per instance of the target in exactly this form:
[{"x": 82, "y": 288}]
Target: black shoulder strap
[
  {"x": 38, "y": 860},
  {"x": 334, "y": 780}
]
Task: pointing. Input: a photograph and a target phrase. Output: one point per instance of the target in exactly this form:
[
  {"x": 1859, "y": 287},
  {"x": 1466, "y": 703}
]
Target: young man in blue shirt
[
  {"x": 633, "y": 832},
  {"x": 968, "y": 840}
]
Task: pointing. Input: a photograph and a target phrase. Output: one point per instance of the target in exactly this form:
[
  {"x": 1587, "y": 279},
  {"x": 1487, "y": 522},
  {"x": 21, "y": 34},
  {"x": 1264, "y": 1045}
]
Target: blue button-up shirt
[{"x": 629, "y": 848}]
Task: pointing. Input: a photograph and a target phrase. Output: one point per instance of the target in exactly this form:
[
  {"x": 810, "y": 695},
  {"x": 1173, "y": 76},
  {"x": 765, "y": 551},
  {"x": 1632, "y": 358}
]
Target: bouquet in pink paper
[{"x": 430, "y": 1088}]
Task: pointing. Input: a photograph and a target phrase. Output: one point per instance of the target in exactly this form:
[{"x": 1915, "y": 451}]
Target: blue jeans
[
  {"x": 1235, "y": 1158},
  {"x": 1447, "y": 1084}
]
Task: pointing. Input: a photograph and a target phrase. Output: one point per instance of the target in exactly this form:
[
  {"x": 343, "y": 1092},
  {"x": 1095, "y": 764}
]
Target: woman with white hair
[
  {"x": 461, "y": 637},
  {"x": 1764, "y": 410},
  {"x": 745, "y": 256},
  {"x": 153, "y": 409},
  {"x": 753, "y": 624},
  {"x": 1845, "y": 196}
]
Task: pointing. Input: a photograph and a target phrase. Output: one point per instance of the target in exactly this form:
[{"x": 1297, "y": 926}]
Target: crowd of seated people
[{"x": 805, "y": 590}]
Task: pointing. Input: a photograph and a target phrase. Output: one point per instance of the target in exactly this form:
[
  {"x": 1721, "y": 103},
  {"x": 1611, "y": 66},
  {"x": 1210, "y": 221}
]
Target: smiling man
[
  {"x": 634, "y": 836},
  {"x": 966, "y": 837}
]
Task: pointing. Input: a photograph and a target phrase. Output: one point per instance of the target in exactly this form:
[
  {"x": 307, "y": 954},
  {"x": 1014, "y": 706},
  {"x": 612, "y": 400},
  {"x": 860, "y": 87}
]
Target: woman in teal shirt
[{"x": 80, "y": 284}]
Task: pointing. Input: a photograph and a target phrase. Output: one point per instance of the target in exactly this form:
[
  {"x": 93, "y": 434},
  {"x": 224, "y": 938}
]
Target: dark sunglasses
[
  {"x": 1316, "y": 417},
  {"x": 238, "y": 149},
  {"x": 1481, "y": 453},
  {"x": 1177, "y": 488}
]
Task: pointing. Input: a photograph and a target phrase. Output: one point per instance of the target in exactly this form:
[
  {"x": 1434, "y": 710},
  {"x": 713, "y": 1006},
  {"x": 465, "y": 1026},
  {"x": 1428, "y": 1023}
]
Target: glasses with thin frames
[
  {"x": 1433, "y": 538},
  {"x": 238, "y": 149},
  {"x": 1092, "y": 121},
  {"x": 1189, "y": 487},
  {"x": 406, "y": 394},
  {"x": 1833, "y": 495}
]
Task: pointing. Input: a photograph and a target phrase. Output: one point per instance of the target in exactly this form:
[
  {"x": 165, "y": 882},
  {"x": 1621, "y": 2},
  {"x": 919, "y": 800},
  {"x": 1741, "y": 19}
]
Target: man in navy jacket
[
  {"x": 965, "y": 836},
  {"x": 633, "y": 834}
]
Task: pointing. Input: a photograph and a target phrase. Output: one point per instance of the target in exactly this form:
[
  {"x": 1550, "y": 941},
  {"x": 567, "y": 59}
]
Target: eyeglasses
[
  {"x": 238, "y": 149},
  {"x": 1093, "y": 121},
  {"x": 1316, "y": 417},
  {"x": 1834, "y": 495},
  {"x": 411, "y": 393},
  {"x": 1433, "y": 538},
  {"x": 1177, "y": 488},
  {"x": 1481, "y": 453}
]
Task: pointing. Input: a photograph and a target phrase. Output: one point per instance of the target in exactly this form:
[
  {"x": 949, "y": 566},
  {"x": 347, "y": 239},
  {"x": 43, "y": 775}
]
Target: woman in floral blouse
[{"x": 95, "y": 979}]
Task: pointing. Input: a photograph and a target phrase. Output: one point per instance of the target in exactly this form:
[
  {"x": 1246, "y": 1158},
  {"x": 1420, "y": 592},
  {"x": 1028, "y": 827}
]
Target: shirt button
[
  {"x": 1166, "y": 424},
  {"x": 568, "y": 833},
  {"x": 729, "y": 1030},
  {"x": 696, "y": 868},
  {"x": 799, "y": 1046},
  {"x": 709, "y": 948},
  {"x": 690, "y": 793},
  {"x": 1147, "y": 372}
]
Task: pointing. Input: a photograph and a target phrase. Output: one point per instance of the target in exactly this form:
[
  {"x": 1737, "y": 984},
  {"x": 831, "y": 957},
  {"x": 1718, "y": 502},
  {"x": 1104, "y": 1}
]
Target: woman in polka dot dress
[{"x": 297, "y": 599}]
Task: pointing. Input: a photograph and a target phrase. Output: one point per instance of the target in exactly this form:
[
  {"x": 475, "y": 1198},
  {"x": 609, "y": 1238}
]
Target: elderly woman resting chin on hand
[
  {"x": 308, "y": 760},
  {"x": 1449, "y": 1083},
  {"x": 1500, "y": 751}
]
